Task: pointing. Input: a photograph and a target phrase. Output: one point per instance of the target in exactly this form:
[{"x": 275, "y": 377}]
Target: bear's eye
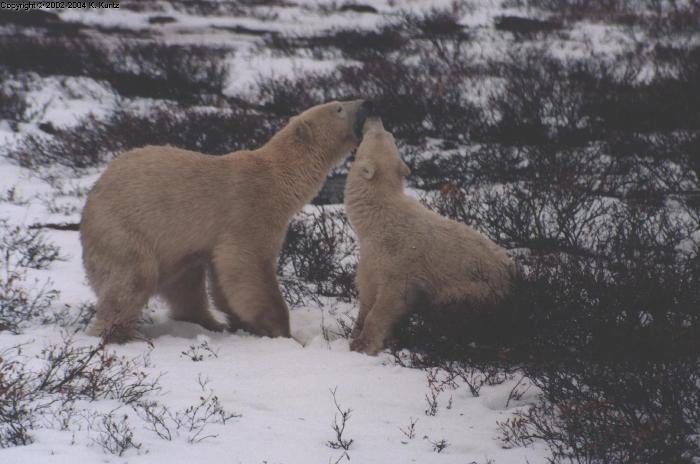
[{"x": 339, "y": 110}]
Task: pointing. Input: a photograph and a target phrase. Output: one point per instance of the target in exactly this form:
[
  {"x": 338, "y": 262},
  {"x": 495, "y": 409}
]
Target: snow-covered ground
[{"x": 281, "y": 388}]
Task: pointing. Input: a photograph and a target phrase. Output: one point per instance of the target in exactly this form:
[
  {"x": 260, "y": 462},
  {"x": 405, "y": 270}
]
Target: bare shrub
[
  {"x": 64, "y": 373},
  {"x": 51, "y": 56},
  {"x": 22, "y": 300},
  {"x": 115, "y": 435},
  {"x": 548, "y": 100},
  {"x": 156, "y": 417},
  {"x": 547, "y": 198},
  {"x": 438, "y": 21},
  {"x": 344, "y": 322},
  {"x": 26, "y": 248},
  {"x": 92, "y": 373},
  {"x": 192, "y": 421},
  {"x": 199, "y": 352},
  {"x": 438, "y": 31},
  {"x": 188, "y": 74},
  {"x": 418, "y": 100},
  {"x": 657, "y": 17},
  {"x": 192, "y": 74},
  {"x": 604, "y": 315},
  {"x": 76, "y": 317},
  {"x": 410, "y": 430},
  {"x": 525, "y": 27},
  {"x": 20, "y": 305},
  {"x": 319, "y": 250},
  {"x": 94, "y": 141},
  {"x": 16, "y": 413},
  {"x": 445, "y": 376},
  {"x": 650, "y": 417},
  {"x": 339, "y": 424},
  {"x": 611, "y": 341},
  {"x": 352, "y": 43},
  {"x": 205, "y": 7},
  {"x": 13, "y": 106},
  {"x": 438, "y": 445}
]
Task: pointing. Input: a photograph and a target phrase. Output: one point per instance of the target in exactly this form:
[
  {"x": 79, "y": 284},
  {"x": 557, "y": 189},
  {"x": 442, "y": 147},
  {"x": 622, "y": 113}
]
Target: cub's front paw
[
  {"x": 362, "y": 345},
  {"x": 356, "y": 331}
]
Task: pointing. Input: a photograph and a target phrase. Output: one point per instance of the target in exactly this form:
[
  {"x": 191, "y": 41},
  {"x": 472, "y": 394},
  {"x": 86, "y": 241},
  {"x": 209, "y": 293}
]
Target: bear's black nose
[{"x": 366, "y": 108}]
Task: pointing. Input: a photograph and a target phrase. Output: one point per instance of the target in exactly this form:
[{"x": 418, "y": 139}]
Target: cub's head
[
  {"x": 335, "y": 126},
  {"x": 377, "y": 160}
]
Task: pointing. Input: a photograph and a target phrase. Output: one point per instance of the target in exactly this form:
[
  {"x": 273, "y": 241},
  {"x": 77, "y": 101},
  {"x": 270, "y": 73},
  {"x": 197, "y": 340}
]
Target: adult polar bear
[
  {"x": 159, "y": 217},
  {"x": 408, "y": 253}
]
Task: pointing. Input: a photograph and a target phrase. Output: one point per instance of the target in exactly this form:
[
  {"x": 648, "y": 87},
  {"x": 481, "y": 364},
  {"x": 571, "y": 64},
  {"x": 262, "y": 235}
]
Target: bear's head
[
  {"x": 335, "y": 126},
  {"x": 377, "y": 160}
]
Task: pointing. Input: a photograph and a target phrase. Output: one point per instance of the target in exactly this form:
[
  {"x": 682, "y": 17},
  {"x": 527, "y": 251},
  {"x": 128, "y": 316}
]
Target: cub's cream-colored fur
[
  {"x": 160, "y": 218},
  {"x": 408, "y": 253}
]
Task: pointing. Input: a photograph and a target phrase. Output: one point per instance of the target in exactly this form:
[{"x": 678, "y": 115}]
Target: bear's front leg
[
  {"x": 368, "y": 294},
  {"x": 388, "y": 309},
  {"x": 249, "y": 285},
  {"x": 220, "y": 302}
]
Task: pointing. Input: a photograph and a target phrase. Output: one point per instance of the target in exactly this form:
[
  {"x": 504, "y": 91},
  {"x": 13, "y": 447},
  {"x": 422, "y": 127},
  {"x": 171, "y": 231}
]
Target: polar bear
[
  {"x": 408, "y": 253},
  {"x": 160, "y": 218}
]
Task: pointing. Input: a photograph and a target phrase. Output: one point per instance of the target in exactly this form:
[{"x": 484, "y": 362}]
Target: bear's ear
[
  {"x": 366, "y": 169},
  {"x": 303, "y": 131},
  {"x": 404, "y": 170}
]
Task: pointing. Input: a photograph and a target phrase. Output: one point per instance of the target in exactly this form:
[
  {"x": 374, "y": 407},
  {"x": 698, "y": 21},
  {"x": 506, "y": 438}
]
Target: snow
[
  {"x": 64, "y": 101},
  {"x": 246, "y": 69},
  {"x": 280, "y": 387}
]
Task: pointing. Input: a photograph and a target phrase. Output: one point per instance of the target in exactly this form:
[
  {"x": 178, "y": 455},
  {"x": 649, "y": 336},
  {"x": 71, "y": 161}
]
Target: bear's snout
[
  {"x": 368, "y": 106},
  {"x": 373, "y": 123},
  {"x": 366, "y": 109}
]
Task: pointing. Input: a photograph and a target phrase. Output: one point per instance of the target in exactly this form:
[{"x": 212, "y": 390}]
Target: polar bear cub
[{"x": 408, "y": 253}]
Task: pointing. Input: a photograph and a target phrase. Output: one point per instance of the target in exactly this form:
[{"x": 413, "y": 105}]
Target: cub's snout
[{"x": 365, "y": 110}]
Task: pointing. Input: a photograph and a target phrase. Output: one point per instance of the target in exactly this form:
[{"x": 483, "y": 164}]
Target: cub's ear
[
  {"x": 366, "y": 169},
  {"x": 303, "y": 130},
  {"x": 404, "y": 170}
]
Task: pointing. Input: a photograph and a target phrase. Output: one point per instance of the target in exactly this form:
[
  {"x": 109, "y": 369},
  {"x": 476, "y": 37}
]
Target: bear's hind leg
[
  {"x": 123, "y": 272},
  {"x": 120, "y": 301},
  {"x": 187, "y": 298}
]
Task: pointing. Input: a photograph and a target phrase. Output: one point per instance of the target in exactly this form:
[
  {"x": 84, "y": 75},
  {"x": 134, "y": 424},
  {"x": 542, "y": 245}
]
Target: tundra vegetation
[{"x": 581, "y": 161}]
